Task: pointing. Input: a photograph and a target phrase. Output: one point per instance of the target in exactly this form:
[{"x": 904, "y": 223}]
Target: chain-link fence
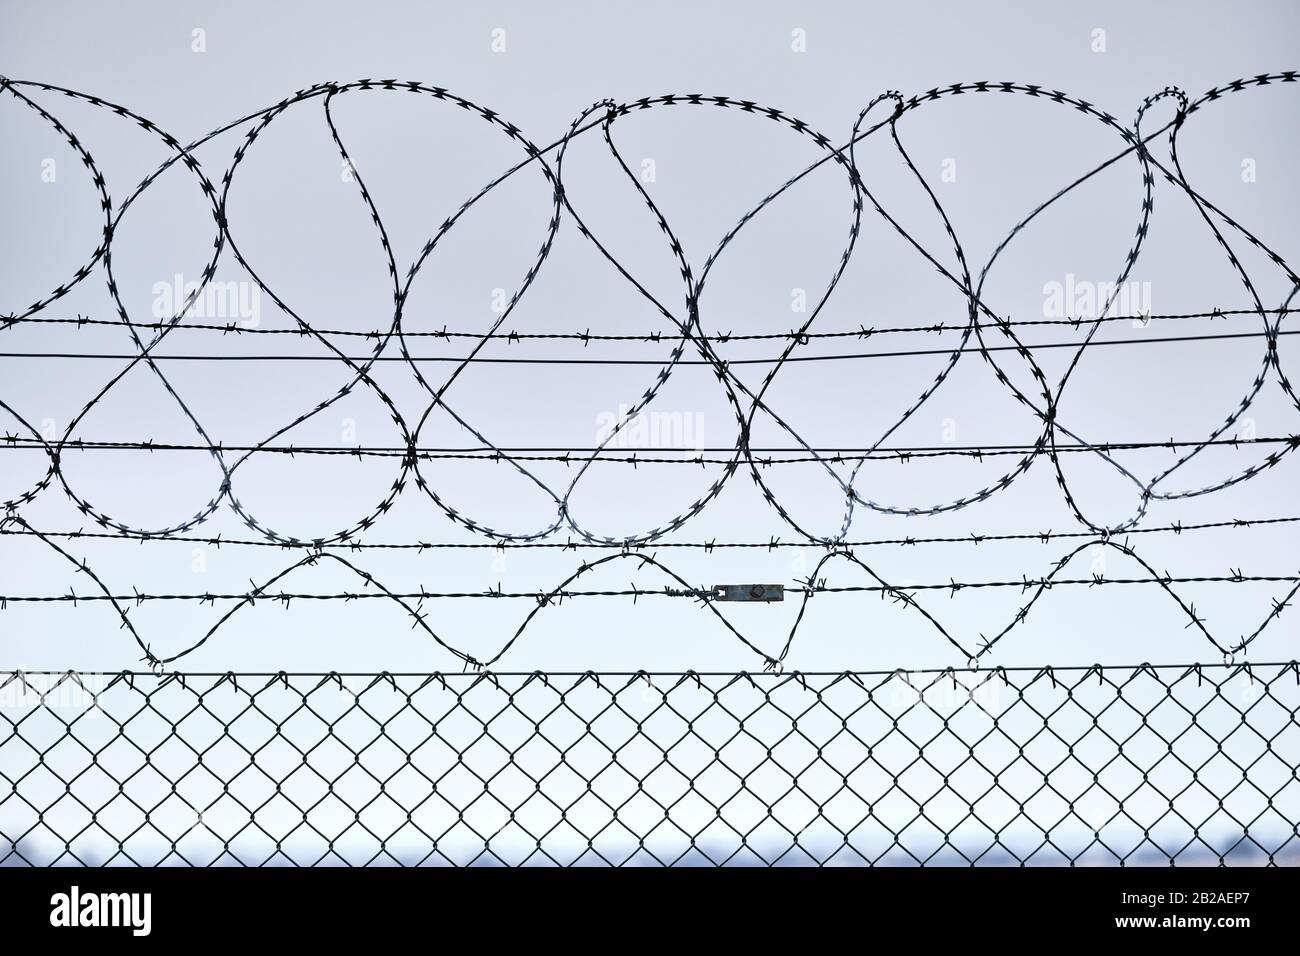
[{"x": 1103, "y": 765}]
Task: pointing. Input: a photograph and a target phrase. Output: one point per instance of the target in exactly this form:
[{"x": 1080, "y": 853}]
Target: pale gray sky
[{"x": 300, "y": 222}]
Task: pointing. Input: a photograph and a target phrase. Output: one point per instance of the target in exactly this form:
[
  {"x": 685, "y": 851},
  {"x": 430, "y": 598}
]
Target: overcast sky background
[{"x": 305, "y": 229}]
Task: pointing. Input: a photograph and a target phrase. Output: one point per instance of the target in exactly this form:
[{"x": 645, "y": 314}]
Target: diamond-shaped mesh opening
[{"x": 1144, "y": 766}]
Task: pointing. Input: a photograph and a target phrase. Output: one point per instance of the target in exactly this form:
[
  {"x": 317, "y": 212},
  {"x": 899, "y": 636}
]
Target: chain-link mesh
[{"x": 1137, "y": 765}]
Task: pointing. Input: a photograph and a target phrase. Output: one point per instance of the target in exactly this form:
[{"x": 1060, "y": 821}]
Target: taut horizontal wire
[
  {"x": 794, "y": 335},
  {"x": 708, "y": 363},
  {"x": 633, "y": 456},
  {"x": 786, "y": 676},
  {"x": 701, "y": 594},
  {"x": 771, "y": 545}
]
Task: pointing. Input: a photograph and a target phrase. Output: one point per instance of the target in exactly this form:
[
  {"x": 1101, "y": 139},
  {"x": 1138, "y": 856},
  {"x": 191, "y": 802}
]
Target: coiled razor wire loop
[
  {"x": 883, "y": 115},
  {"x": 1117, "y": 765}
]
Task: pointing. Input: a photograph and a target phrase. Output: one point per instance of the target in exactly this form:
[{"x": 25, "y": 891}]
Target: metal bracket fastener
[{"x": 763, "y": 593}]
